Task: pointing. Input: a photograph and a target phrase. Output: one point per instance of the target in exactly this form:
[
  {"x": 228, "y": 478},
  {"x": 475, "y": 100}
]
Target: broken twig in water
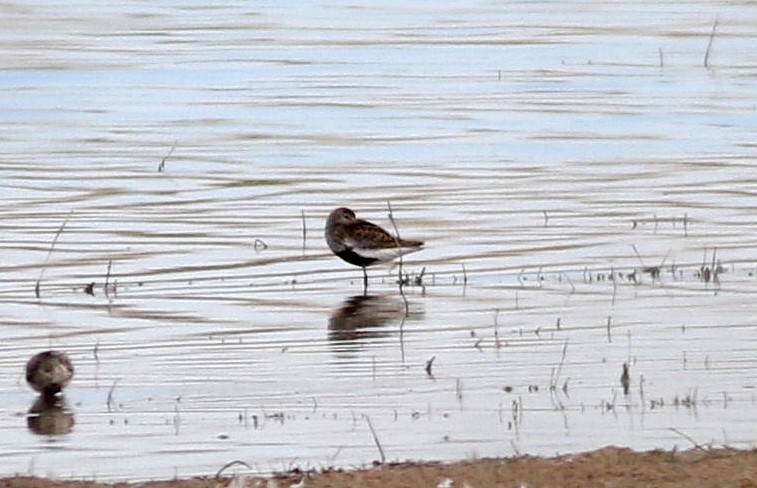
[
  {"x": 162, "y": 165},
  {"x": 496, "y": 329},
  {"x": 553, "y": 382},
  {"x": 625, "y": 379},
  {"x": 402, "y": 279},
  {"x": 687, "y": 437},
  {"x": 429, "y": 364},
  {"x": 397, "y": 240},
  {"x": 706, "y": 61},
  {"x": 609, "y": 334},
  {"x": 230, "y": 464},
  {"x": 418, "y": 279},
  {"x": 50, "y": 252},
  {"x": 110, "y": 403},
  {"x": 107, "y": 279},
  {"x": 304, "y": 231},
  {"x": 375, "y": 439}
]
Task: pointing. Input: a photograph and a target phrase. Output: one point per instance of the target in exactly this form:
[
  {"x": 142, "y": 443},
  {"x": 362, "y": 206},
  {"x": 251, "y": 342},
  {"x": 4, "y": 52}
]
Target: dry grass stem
[
  {"x": 609, "y": 323},
  {"x": 687, "y": 437},
  {"x": 304, "y": 231},
  {"x": 230, "y": 464},
  {"x": 397, "y": 241},
  {"x": 375, "y": 439},
  {"x": 556, "y": 376},
  {"x": 162, "y": 165},
  {"x": 50, "y": 252},
  {"x": 706, "y": 61},
  {"x": 107, "y": 279},
  {"x": 429, "y": 365},
  {"x": 111, "y": 403}
]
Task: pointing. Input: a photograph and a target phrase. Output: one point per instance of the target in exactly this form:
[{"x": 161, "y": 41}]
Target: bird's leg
[{"x": 365, "y": 281}]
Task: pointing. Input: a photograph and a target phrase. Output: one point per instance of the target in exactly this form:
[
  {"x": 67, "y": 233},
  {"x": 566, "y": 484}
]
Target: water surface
[{"x": 585, "y": 186}]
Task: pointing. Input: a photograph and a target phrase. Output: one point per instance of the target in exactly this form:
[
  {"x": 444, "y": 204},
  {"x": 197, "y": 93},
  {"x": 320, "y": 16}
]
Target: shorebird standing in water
[
  {"x": 49, "y": 372},
  {"x": 363, "y": 243}
]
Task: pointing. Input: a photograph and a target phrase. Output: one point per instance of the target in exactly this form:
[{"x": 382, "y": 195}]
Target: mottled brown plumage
[
  {"x": 363, "y": 243},
  {"x": 49, "y": 372}
]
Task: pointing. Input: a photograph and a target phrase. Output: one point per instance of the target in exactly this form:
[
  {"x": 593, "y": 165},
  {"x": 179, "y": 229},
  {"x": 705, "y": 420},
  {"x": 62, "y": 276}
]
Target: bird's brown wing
[{"x": 367, "y": 235}]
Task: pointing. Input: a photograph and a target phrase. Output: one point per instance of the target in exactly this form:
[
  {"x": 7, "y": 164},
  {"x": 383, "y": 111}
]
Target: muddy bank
[{"x": 611, "y": 466}]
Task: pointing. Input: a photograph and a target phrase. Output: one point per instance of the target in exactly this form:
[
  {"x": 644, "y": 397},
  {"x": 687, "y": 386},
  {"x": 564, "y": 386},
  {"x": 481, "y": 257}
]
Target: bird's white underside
[{"x": 384, "y": 254}]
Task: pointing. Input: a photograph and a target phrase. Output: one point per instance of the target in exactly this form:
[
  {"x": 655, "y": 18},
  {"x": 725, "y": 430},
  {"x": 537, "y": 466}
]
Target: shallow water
[{"x": 583, "y": 207}]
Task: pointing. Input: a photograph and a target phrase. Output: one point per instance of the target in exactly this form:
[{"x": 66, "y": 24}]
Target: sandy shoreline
[{"x": 610, "y": 466}]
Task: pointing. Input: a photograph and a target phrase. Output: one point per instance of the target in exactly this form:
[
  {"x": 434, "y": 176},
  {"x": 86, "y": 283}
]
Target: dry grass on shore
[{"x": 611, "y": 466}]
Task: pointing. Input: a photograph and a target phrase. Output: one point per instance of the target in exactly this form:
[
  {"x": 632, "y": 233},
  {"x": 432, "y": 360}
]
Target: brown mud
[{"x": 610, "y": 466}]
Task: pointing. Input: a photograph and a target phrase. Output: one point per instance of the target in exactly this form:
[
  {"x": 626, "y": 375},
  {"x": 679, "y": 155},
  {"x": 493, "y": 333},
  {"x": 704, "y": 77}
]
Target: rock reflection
[
  {"x": 362, "y": 317},
  {"x": 50, "y": 415}
]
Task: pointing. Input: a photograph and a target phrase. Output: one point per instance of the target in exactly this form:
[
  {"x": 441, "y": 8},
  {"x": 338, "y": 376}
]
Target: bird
[
  {"x": 49, "y": 372},
  {"x": 363, "y": 243}
]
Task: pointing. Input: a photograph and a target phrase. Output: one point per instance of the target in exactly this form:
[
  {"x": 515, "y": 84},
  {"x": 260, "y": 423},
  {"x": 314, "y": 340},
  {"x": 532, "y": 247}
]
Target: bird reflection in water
[
  {"x": 50, "y": 415},
  {"x": 49, "y": 372},
  {"x": 361, "y": 317}
]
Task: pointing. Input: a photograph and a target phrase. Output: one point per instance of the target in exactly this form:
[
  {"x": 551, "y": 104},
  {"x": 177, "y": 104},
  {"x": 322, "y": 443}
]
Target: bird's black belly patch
[{"x": 354, "y": 258}]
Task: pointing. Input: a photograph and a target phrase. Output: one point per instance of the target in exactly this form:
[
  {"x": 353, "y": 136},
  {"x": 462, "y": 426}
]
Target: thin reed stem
[
  {"x": 50, "y": 252},
  {"x": 375, "y": 439},
  {"x": 706, "y": 61}
]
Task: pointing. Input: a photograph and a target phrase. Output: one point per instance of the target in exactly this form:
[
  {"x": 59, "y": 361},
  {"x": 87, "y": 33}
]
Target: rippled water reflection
[{"x": 583, "y": 207}]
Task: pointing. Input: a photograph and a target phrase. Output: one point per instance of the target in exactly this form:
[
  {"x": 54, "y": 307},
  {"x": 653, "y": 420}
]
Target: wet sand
[{"x": 610, "y": 466}]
